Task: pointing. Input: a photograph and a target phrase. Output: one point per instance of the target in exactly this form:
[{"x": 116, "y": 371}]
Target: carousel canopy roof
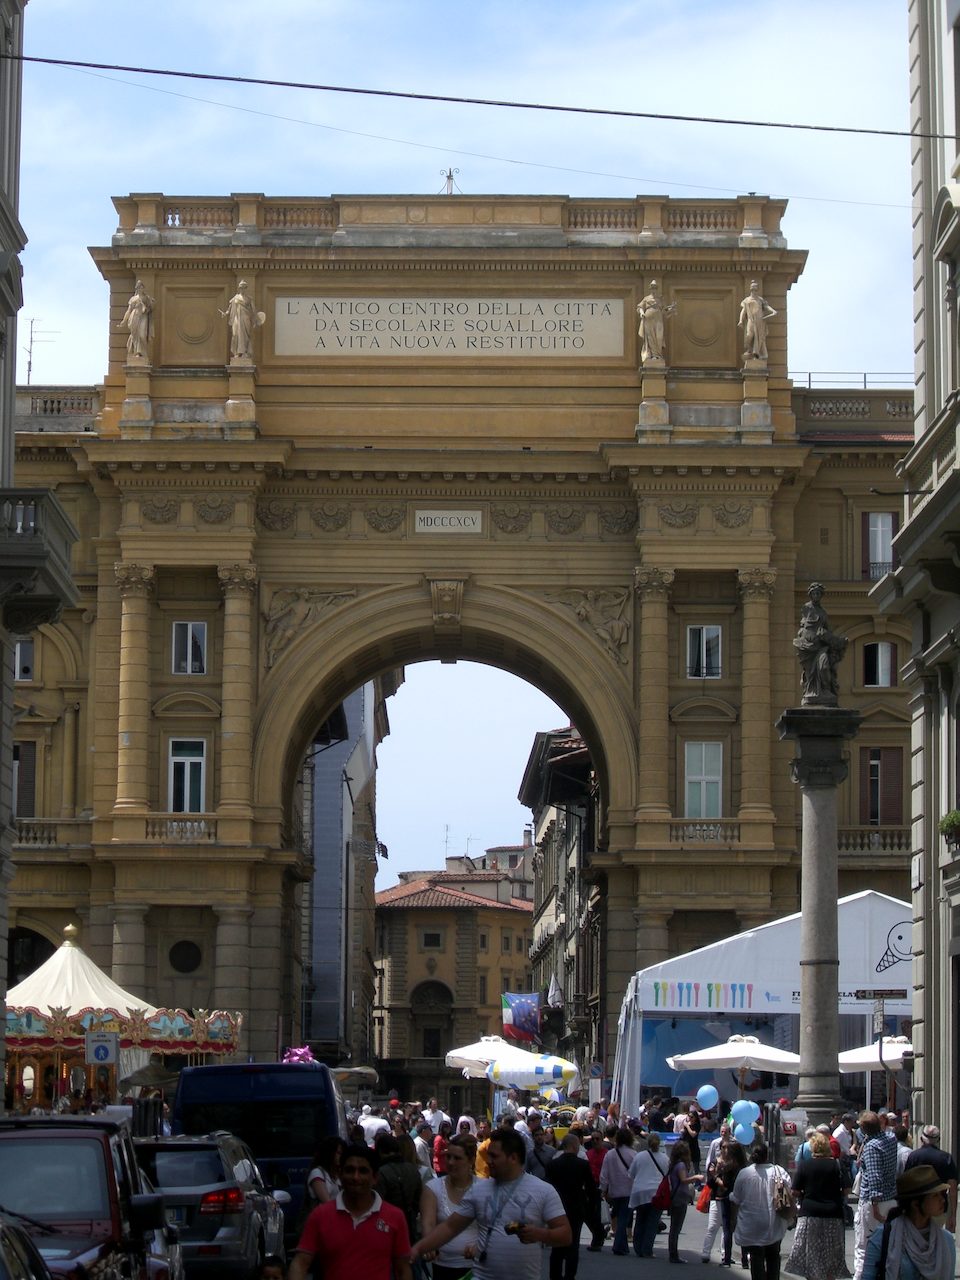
[{"x": 70, "y": 980}]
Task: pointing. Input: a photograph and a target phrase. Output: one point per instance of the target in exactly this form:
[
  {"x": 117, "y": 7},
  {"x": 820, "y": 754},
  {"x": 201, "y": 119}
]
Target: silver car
[{"x": 227, "y": 1218}]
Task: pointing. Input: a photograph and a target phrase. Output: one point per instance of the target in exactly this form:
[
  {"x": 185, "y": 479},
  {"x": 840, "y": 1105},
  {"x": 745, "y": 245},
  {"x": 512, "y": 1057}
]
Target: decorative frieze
[
  {"x": 385, "y": 517},
  {"x": 564, "y": 518},
  {"x": 329, "y": 517},
  {"x": 275, "y": 515},
  {"x": 160, "y": 510},
  {"x": 511, "y": 517},
  {"x": 215, "y": 509},
  {"x": 621, "y": 518},
  {"x": 678, "y": 515},
  {"x": 732, "y": 515}
]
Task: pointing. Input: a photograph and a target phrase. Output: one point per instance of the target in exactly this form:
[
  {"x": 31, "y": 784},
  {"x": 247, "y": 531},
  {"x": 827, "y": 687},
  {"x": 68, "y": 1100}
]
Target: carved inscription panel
[{"x": 458, "y": 327}]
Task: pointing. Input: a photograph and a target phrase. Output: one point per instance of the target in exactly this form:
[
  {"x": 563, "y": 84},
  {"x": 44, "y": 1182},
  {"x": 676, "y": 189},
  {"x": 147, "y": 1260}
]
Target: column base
[{"x": 819, "y": 1101}]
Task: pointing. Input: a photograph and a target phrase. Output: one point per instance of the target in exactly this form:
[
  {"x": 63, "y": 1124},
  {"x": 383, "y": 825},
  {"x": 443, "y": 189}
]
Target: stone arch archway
[{"x": 502, "y": 627}]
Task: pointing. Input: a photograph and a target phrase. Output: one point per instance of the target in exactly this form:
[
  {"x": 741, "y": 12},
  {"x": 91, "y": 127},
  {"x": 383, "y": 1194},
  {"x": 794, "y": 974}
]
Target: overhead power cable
[{"x": 476, "y": 102}]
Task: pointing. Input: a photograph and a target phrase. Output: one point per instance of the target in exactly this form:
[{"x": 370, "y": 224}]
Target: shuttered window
[
  {"x": 25, "y": 779},
  {"x": 877, "y": 532},
  {"x": 881, "y": 786}
]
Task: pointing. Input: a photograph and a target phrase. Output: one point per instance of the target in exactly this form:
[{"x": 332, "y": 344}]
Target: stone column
[
  {"x": 653, "y": 588},
  {"x": 819, "y": 768},
  {"x": 756, "y": 591},
  {"x": 129, "y": 967},
  {"x": 238, "y": 583},
  {"x": 68, "y": 802},
  {"x": 135, "y": 582},
  {"x": 653, "y": 936},
  {"x": 231, "y": 991}
]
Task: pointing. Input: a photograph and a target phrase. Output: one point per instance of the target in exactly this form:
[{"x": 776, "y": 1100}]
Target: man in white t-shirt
[
  {"x": 372, "y": 1123},
  {"x": 513, "y": 1211},
  {"x": 844, "y": 1132},
  {"x": 435, "y": 1116}
]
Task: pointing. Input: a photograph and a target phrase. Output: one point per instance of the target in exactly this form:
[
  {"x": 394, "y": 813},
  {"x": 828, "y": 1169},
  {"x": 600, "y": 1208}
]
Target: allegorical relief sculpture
[
  {"x": 819, "y": 650},
  {"x": 242, "y": 317},
  {"x": 754, "y": 314},
  {"x": 138, "y": 321},
  {"x": 652, "y": 311},
  {"x": 291, "y": 611}
]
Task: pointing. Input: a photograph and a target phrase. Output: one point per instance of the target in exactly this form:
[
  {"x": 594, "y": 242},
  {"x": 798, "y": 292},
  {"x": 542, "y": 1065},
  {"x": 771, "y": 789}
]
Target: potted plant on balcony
[{"x": 950, "y": 828}]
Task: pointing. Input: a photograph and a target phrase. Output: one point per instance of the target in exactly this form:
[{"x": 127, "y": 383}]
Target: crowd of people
[{"x": 416, "y": 1194}]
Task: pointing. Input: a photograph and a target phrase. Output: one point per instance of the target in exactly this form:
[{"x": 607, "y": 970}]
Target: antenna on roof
[
  {"x": 31, "y": 342},
  {"x": 449, "y": 185}
]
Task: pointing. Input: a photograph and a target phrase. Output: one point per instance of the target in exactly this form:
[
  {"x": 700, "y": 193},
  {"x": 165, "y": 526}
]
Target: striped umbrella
[{"x": 518, "y": 1069}]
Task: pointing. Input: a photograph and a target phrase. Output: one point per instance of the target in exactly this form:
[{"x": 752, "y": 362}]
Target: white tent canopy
[
  {"x": 757, "y": 973},
  {"x": 70, "y": 980}
]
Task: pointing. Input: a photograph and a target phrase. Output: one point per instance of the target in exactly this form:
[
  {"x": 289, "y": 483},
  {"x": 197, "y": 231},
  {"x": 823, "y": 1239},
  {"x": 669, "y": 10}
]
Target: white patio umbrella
[
  {"x": 473, "y": 1059},
  {"x": 740, "y": 1054},
  {"x": 867, "y": 1056}
]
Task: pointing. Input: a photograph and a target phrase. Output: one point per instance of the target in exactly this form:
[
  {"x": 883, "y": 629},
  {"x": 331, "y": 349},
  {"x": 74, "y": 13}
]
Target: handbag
[
  {"x": 664, "y": 1193},
  {"x": 784, "y": 1205},
  {"x": 703, "y": 1200}
]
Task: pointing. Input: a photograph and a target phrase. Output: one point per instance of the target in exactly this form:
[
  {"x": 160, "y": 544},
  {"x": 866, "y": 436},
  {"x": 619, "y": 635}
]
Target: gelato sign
[{"x": 465, "y": 328}]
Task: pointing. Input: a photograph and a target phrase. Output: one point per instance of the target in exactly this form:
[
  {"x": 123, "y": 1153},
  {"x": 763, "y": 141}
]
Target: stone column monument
[{"x": 819, "y": 726}]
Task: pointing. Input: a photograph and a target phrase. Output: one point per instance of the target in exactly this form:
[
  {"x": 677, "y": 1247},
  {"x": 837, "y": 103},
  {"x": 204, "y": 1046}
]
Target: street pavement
[{"x": 605, "y": 1266}]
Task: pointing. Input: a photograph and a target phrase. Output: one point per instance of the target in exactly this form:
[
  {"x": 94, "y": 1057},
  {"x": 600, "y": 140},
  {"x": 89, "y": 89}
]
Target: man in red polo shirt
[{"x": 358, "y": 1234}]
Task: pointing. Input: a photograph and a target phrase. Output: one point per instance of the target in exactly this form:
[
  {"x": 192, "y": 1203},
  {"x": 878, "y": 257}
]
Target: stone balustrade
[
  {"x": 704, "y": 831},
  {"x": 181, "y": 828}
]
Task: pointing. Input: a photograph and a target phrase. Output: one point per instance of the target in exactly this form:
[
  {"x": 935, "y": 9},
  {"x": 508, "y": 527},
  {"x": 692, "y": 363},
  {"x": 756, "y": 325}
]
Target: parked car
[
  {"x": 227, "y": 1218},
  {"x": 164, "y": 1254},
  {"x": 19, "y": 1257},
  {"x": 77, "y": 1180}
]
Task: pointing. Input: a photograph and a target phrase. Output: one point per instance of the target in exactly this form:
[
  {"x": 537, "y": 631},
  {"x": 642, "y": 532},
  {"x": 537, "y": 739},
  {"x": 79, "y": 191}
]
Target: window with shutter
[{"x": 881, "y": 786}]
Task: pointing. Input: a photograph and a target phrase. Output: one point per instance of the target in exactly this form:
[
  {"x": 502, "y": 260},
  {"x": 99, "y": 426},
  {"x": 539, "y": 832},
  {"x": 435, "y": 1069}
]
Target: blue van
[{"x": 280, "y": 1110}]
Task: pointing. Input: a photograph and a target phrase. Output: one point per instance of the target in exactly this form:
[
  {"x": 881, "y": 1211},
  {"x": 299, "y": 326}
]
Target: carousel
[{"x": 50, "y": 1014}]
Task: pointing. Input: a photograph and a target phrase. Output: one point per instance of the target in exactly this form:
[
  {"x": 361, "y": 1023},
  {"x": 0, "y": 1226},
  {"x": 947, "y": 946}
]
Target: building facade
[
  {"x": 339, "y": 435},
  {"x": 449, "y": 943},
  {"x": 924, "y": 589},
  {"x": 559, "y": 788},
  {"x": 36, "y": 537}
]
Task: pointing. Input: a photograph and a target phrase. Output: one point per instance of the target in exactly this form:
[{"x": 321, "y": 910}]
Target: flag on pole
[{"x": 521, "y": 1015}]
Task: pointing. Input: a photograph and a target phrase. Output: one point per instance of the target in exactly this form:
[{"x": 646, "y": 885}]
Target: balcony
[
  {"x": 181, "y": 828},
  {"x": 36, "y": 538},
  {"x": 705, "y": 831},
  {"x": 39, "y": 834},
  {"x": 874, "y": 840}
]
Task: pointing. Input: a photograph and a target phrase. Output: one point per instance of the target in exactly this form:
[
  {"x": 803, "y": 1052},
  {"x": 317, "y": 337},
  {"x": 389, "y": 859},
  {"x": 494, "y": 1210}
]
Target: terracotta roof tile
[{"x": 424, "y": 893}]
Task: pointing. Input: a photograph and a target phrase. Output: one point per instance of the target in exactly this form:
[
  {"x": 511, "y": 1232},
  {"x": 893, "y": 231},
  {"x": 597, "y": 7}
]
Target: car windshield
[
  {"x": 186, "y": 1167},
  {"x": 52, "y": 1178}
]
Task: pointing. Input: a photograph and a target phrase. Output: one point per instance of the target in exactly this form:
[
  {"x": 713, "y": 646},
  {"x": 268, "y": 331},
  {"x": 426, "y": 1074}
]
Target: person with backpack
[
  {"x": 647, "y": 1174},
  {"x": 398, "y": 1182}
]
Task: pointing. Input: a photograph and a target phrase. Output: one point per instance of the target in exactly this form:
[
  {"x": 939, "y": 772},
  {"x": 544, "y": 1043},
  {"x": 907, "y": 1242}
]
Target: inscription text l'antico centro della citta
[{"x": 458, "y": 326}]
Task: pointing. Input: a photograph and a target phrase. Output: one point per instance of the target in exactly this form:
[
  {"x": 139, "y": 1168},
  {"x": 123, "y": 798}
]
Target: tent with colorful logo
[{"x": 749, "y": 984}]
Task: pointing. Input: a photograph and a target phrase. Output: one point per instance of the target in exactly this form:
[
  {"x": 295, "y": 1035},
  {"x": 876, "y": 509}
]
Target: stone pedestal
[
  {"x": 240, "y": 411},
  {"x": 819, "y": 768},
  {"x": 756, "y": 420},
  {"x": 136, "y": 415},
  {"x": 653, "y": 424}
]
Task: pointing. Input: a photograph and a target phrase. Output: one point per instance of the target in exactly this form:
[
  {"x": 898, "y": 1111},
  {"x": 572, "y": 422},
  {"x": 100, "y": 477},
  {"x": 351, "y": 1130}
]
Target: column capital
[
  {"x": 756, "y": 583},
  {"x": 134, "y": 579},
  {"x": 232, "y": 915},
  {"x": 237, "y": 578},
  {"x": 653, "y": 584}
]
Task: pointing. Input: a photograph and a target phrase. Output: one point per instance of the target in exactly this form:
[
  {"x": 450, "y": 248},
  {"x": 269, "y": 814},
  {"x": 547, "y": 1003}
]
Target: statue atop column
[
  {"x": 652, "y": 311},
  {"x": 819, "y": 650},
  {"x": 242, "y": 317},
  {"x": 138, "y": 321},
  {"x": 754, "y": 314}
]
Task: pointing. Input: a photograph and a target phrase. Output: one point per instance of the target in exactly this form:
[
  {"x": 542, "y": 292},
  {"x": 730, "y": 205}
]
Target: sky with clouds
[{"x": 90, "y": 136}]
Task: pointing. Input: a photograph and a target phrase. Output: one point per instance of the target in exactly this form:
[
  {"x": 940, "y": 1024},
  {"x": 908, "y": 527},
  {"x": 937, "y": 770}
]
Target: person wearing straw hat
[
  {"x": 930, "y": 1152},
  {"x": 912, "y": 1244}
]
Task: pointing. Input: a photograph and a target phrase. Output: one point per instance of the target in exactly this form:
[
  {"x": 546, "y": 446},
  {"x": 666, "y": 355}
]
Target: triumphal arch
[{"x": 341, "y": 435}]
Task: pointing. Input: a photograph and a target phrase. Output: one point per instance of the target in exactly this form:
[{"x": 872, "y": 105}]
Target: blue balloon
[
  {"x": 742, "y": 1111},
  {"x": 707, "y": 1097},
  {"x": 754, "y": 1112},
  {"x": 744, "y": 1134}
]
